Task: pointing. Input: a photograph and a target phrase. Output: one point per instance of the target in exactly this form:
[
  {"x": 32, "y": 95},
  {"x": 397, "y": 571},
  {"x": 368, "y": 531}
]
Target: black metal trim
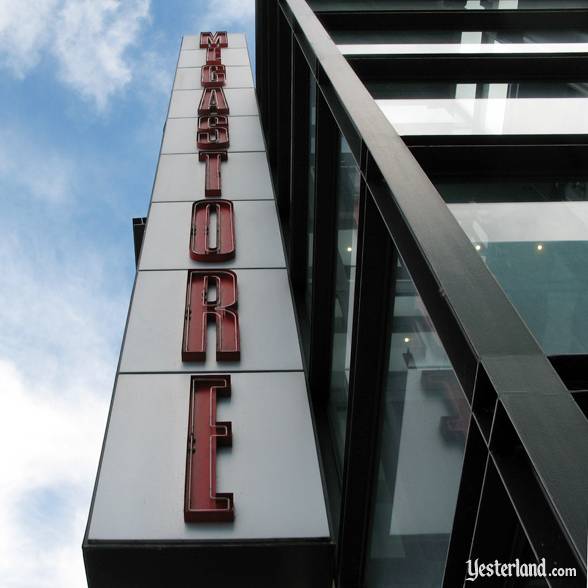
[
  {"x": 373, "y": 304},
  {"x": 299, "y": 166},
  {"x": 459, "y": 20},
  {"x": 139, "y": 224},
  {"x": 283, "y": 121},
  {"x": 474, "y": 465},
  {"x": 288, "y": 563},
  {"x": 465, "y": 67},
  {"x": 327, "y": 147}
]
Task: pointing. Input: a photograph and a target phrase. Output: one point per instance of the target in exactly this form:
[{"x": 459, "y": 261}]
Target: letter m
[{"x": 219, "y": 39}]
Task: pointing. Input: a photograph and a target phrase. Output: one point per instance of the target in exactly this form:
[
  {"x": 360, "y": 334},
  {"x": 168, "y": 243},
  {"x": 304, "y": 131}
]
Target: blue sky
[{"x": 84, "y": 87}]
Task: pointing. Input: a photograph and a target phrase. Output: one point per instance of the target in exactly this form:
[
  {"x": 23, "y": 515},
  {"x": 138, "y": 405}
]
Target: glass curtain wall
[
  {"x": 347, "y": 211},
  {"x": 531, "y": 233},
  {"x": 390, "y": 41},
  {"x": 424, "y": 423},
  {"x": 533, "y": 236},
  {"x": 375, "y": 5},
  {"x": 400, "y": 523}
]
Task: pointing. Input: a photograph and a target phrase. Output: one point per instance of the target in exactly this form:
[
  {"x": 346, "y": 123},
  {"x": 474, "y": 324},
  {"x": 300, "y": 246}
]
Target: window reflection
[
  {"x": 336, "y": 5},
  {"x": 346, "y": 250},
  {"x": 450, "y": 37},
  {"x": 496, "y": 114},
  {"x": 425, "y": 418},
  {"x": 507, "y": 89},
  {"x": 533, "y": 236}
]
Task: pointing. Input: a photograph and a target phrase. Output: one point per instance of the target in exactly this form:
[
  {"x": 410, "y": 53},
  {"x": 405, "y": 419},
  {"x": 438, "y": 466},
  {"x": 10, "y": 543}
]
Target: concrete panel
[
  {"x": 236, "y": 41},
  {"x": 257, "y": 236},
  {"x": 184, "y": 103},
  {"x": 188, "y": 78},
  {"x": 198, "y": 58},
  {"x": 271, "y": 468},
  {"x": 269, "y": 339},
  {"x": 180, "y": 135},
  {"x": 245, "y": 176}
]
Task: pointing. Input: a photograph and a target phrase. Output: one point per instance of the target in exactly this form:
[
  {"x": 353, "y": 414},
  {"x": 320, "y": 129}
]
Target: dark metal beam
[
  {"x": 369, "y": 365},
  {"x": 321, "y": 335},
  {"x": 139, "y": 224},
  {"x": 454, "y": 20},
  {"x": 464, "y": 67}
]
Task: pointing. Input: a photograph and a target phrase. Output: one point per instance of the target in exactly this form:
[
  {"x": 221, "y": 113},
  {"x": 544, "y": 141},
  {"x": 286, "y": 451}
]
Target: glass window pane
[
  {"x": 346, "y": 250},
  {"x": 450, "y": 37},
  {"x": 390, "y": 42},
  {"x": 394, "y": 90},
  {"x": 497, "y": 114},
  {"x": 425, "y": 418},
  {"x": 533, "y": 236},
  {"x": 472, "y": 48},
  {"x": 337, "y": 5}
]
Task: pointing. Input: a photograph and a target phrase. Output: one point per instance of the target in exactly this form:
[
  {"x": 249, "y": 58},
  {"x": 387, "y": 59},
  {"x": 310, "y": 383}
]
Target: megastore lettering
[{"x": 211, "y": 295}]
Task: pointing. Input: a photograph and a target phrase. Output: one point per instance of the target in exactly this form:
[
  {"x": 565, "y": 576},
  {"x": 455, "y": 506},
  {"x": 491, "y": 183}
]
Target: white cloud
[
  {"x": 47, "y": 444},
  {"x": 62, "y": 307},
  {"x": 222, "y": 14},
  {"x": 89, "y": 39},
  {"x": 58, "y": 356},
  {"x": 91, "y": 42},
  {"x": 25, "y": 30}
]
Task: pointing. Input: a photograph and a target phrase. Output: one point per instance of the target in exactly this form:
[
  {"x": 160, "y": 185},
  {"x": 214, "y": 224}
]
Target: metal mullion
[
  {"x": 321, "y": 320},
  {"x": 466, "y": 509},
  {"x": 487, "y": 543},
  {"x": 344, "y": 123},
  {"x": 373, "y": 303},
  {"x": 271, "y": 87},
  {"x": 543, "y": 535},
  {"x": 300, "y": 131},
  {"x": 263, "y": 62},
  {"x": 550, "y": 161},
  {"x": 521, "y": 477},
  {"x": 283, "y": 129}
]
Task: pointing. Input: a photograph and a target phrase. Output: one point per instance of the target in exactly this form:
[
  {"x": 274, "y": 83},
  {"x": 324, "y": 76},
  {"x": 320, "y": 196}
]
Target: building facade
[
  {"x": 430, "y": 160},
  {"x": 210, "y": 471},
  {"x": 387, "y": 243}
]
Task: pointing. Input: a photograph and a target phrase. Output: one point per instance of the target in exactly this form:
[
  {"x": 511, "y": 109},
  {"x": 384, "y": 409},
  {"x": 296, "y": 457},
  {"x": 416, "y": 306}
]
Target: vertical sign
[{"x": 211, "y": 295}]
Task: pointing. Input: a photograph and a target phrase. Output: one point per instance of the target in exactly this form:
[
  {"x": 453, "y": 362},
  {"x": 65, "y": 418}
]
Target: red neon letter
[
  {"x": 212, "y": 159},
  {"x": 221, "y": 285},
  {"x": 213, "y": 132},
  {"x": 223, "y": 247},
  {"x": 213, "y": 55},
  {"x": 213, "y": 76},
  {"x": 213, "y": 101},
  {"x": 202, "y": 503},
  {"x": 220, "y": 39}
]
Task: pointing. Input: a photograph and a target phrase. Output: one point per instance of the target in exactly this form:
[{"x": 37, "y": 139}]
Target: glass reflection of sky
[{"x": 538, "y": 252}]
